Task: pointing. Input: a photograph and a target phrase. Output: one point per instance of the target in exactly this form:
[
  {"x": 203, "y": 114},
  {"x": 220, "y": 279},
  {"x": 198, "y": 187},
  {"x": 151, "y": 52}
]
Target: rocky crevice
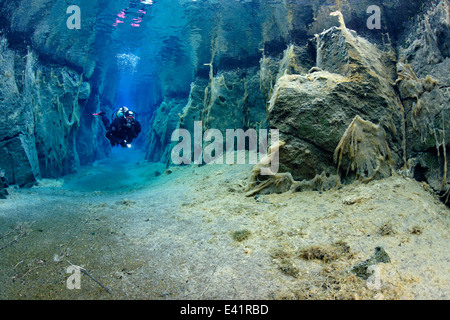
[{"x": 313, "y": 78}]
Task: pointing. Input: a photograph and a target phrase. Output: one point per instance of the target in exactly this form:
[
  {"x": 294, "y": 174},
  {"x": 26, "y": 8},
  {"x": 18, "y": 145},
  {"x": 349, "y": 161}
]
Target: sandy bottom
[{"x": 141, "y": 233}]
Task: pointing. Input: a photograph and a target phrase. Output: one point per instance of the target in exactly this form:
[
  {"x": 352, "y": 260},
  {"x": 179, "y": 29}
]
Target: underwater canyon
[{"x": 358, "y": 92}]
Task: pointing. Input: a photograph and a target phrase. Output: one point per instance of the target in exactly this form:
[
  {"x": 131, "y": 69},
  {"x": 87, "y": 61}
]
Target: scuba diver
[{"x": 123, "y": 128}]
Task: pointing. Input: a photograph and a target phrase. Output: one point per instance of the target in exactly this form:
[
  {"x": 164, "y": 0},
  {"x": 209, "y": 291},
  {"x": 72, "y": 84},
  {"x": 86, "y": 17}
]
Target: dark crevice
[
  {"x": 10, "y": 138},
  {"x": 420, "y": 173}
]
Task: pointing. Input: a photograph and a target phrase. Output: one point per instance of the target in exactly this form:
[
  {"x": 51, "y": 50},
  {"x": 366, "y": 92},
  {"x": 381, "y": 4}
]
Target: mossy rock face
[{"x": 379, "y": 256}]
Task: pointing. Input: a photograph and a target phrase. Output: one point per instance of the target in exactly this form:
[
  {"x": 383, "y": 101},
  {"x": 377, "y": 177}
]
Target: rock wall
[
  {"x": 42, "y": 105},
  {"x": 18, "y": 155},
  {"x": 423, "y": 85},
  {"x": 46, "y": 80},
  {"x": 42, "y": 24},
  {"x": 164, "y": 122},
  {"x": 229, "y": 100}
]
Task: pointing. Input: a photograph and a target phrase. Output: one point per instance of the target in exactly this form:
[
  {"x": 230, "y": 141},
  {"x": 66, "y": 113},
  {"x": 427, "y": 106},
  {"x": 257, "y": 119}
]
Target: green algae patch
[{"x": 241, "y": 235}]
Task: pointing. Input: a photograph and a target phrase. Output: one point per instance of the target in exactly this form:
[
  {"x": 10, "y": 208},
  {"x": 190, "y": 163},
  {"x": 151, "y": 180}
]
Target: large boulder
[{"x": 313, "y": 110}]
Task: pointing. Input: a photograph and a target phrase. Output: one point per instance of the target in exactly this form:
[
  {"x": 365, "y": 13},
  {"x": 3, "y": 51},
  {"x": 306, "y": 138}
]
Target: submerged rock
[
  {"x": 313, "y": 110},
  {"x": 362, "y": 269}
]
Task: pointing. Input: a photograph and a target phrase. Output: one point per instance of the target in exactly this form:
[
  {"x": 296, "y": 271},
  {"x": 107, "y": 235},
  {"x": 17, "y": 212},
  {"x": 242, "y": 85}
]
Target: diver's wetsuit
[{"x": 118, "y": 132}]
